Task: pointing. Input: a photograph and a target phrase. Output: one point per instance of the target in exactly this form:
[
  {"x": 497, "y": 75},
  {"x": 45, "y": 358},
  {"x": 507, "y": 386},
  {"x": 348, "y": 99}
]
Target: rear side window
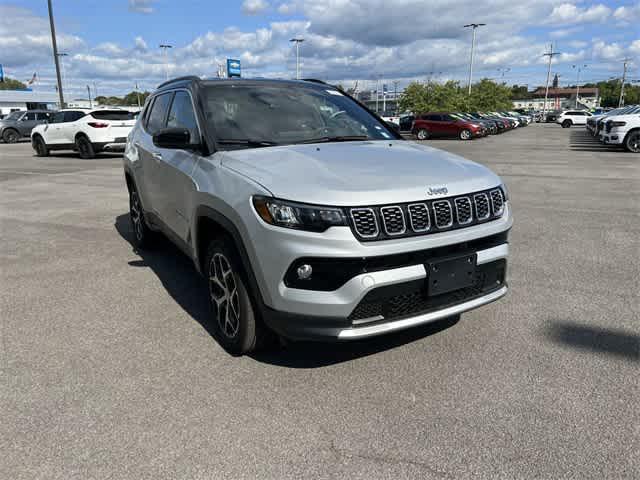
[
  {"x": 72, "y": 116},
  {"x": 112, "y": 115},
  {"x": 29, "y": 116},
  {"x": 44, "y": 116},
  {"x": 158, "y": 113},
  {"x": 182, "y": 115}
]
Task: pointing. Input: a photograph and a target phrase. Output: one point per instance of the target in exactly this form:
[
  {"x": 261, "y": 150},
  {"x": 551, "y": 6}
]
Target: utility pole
[
  {"x": 164, "y": 48},
  {"x": 549, "y": 54},
  {"x": 89, "y": 93},
  {"x": 395, "y": 94},
  {"x": 473, "y": 45},
  {"x": 138, "y": 94},
  {"x": 624, "y": 78},
  {"x": 64, "y": 73},
  {"x": 503, "y": 71},
  {"x": 579, "y": 68},
  {"x": 297, "y": 41},
  {"x": 55, "y": 54}
]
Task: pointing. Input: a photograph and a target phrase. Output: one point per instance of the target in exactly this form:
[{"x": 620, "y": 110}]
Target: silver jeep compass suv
[{"x": 308, "y": 215}]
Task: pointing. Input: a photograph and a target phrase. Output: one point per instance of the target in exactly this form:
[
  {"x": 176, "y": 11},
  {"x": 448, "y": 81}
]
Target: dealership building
[
  {"x": 560, "y": 99},
  {"x": 12, "y": 100}
]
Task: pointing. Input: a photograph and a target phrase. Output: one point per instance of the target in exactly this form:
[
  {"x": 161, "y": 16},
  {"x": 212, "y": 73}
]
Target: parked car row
[
  {"x": 618, "y": 127},
  {"x": 463, "y": 125},
  {"x": 19, "y": 124}
]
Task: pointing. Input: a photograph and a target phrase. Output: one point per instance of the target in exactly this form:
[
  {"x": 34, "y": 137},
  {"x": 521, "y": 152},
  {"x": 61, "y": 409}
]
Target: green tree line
[
  {"x": 12, "y": 84},
  {"x": 450, "y": 96},
  {"x": 130, "y": 98}
]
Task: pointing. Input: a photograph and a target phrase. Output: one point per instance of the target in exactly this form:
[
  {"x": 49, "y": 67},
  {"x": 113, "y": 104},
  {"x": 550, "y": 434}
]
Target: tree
[
  {"x": 487, "y": 95},
  {"x": 519, "y": 92},
  {"x": 12, "y": 84}
]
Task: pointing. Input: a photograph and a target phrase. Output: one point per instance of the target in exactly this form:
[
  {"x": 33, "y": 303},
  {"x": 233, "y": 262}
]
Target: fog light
[{"x": 304, "y": 271}]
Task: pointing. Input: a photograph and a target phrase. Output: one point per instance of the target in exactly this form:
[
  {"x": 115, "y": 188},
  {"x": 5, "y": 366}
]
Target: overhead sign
[{"x": 233, "y": 68}]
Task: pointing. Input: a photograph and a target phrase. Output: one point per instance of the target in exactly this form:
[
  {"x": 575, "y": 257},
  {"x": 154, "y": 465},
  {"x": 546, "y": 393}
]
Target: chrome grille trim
[
  {"x": 476, "y": 203},
  {"x": 398, "y": 210},
  {"x": 410, "y": 208},
  {"x": 497, "y": 201},
  {"x": 444, "y": 204},
  {"x": 355, "y": 221},
  {"x": 457, "y": 202}
]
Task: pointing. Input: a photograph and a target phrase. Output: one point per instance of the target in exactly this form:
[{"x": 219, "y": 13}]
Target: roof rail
[{"x": 179, "y": 79}]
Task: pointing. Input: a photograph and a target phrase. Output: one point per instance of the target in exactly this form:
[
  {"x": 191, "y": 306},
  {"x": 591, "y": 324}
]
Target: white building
[{"x": 12, "y": 100}]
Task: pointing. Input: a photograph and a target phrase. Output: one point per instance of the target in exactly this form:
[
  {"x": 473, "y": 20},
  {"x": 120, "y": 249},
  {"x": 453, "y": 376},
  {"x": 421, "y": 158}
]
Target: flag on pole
[{"x": 33, "y": 79}]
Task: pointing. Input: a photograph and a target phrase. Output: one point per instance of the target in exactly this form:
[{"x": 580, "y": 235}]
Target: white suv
[
  {"x": 573, "y": 117},
  {"x": 85, "y": 131},
  {"x": 623, "y": 130}
]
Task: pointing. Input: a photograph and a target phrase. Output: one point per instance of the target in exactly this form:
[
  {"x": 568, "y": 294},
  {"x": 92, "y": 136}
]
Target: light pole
[
  {"x": 64, "y": 73},
  {"x": 624, "y": 78},
  {"x": 549, "y": 54},
  {"x": 165, "y": 47},
  {"x": 297, "y": 41},
  {"x": 55, "y": 54},
  {"x": 473, "y": 46},
  {"x": 579, "y": 69}
]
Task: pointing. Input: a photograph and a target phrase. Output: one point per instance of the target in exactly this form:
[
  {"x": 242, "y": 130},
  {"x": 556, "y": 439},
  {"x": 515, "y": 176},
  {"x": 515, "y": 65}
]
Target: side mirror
[
  {"x": 393, "y": 126},
  {"x": 177, "y": 138}
]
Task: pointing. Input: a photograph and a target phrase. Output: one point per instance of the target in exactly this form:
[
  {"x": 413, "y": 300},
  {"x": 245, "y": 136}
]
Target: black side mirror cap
[{"x": 177, "y": 138}]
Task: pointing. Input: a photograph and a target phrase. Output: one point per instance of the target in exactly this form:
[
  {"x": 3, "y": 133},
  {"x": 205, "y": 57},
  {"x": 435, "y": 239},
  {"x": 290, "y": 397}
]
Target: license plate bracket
[{"x": 449, "y": 274}]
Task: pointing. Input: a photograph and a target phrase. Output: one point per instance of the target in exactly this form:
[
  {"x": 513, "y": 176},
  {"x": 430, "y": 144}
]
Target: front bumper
[
  {"x": 300, "y": 313},
  {"x": 612, "y": 138}
]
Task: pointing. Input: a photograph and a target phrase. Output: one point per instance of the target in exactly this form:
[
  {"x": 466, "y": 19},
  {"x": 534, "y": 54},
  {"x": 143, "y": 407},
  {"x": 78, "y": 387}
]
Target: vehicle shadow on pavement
[
  {"x": 596, "y": 339},
  {"x": 179, "y": 277},
  {"x": 582, "y": 141}
]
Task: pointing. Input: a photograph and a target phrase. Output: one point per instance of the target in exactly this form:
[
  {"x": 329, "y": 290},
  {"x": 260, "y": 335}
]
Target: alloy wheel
[
  {"x": 633, "y": 143},
  {"x": 224, "y": 295},
  {"x": 136, "y": 216}
]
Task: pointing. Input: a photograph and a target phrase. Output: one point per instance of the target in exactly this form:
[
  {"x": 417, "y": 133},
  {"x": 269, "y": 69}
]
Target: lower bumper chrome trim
[{"x": 363, "y": 332}]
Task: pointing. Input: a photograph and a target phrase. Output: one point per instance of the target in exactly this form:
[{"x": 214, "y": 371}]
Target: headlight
[{"x": 287, "y": 214}]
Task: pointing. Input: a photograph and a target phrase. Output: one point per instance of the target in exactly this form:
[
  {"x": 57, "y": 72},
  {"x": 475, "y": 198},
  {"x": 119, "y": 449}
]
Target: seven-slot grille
[{"x": 389, "y": 221}]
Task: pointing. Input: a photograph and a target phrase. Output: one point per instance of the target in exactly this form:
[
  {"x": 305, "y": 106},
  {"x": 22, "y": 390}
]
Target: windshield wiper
[
  {"x": 342, "y": 138},
  {"x": 246, "y": 141}
]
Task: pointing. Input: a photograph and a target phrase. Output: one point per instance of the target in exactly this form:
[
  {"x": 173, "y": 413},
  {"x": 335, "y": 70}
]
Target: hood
[{"x": 358, "y": 173}]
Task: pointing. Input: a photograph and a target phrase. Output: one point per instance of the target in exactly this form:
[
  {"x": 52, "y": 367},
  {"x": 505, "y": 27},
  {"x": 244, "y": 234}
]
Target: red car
[{"x": 434, "y": 124}]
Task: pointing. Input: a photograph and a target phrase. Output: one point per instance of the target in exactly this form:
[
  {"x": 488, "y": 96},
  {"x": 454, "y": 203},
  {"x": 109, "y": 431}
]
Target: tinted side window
[
  {"x": 72, "y": 116},
  {"x": 158, "y": 113},
  {"x": 182, "y": 115},
  {"x": 44, "y": 116},
  {"x": 435, "y": 118},
  {"x": 58, "y": 117},
  {"x": 29, "y": 116}
]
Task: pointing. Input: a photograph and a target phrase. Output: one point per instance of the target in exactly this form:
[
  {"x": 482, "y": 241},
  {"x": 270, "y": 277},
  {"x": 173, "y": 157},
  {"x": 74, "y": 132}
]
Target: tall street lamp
[
  {"x": 297, "y": 41},
  {"x": 473, "y": 45},
  {"x": 55, "y": 53},
  {"x": 165, "y": 47},
  {"x": 579, "y": 69}
]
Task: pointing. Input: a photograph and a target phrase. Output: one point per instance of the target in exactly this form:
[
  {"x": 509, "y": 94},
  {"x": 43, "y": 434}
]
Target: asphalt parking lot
[{"x": 108, "y": 369}]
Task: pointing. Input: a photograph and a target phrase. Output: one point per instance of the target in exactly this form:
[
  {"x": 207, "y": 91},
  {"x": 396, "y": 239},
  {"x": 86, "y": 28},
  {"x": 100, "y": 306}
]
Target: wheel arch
[{"x": 210, "y": 224}]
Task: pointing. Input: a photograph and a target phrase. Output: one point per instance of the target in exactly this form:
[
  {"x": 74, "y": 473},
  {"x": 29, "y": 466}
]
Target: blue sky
[{"x": 115, "y": 42}]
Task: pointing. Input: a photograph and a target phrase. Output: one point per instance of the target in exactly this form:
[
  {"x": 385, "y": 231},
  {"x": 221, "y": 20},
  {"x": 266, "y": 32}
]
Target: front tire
[
  {"x": 84, "y": 147},
  {"x": 422, "y": 134},
  {"x": 566, "y": 124},
  {"x": 235, "y": 325},
  {"x": 40, "y": 146},
  {"x": 10, "y": 136},
  {"x": 632, "y": 141},
  {"x": 465, "y": 134}
]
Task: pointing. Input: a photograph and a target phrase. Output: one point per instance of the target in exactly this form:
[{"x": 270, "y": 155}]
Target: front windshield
[
  {"x": 14, "y": 116},
  {"x": 265, "y": 115}
]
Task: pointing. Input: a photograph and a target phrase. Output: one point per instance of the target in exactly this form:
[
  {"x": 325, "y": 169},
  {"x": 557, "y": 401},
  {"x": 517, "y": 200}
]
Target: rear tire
[
  {"x": 10, "y": 136},
  {"x": 465, "y": 134},
  {"x": 566, "y": 124},
  {"x": 84, "y": 147},
  {"x": 632, "y": 141},
  {"x": 40, "y": 146},
  {"x": 422, "y": 134},
  {"x": 235, "y": 323}
]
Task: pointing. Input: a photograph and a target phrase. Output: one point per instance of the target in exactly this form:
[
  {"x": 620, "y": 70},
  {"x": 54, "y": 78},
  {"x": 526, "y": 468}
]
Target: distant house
[{"x": 560, "y": 99}]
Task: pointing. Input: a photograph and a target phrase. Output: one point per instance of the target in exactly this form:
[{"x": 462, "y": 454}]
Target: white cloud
[
  {"x": 634, "y": 48},
  {"x": 628, "y": 14},
  {"x": 568, "y": 13},
  {"x": 607, "y": 51},
  {"x": 287, "y": 9},
  {"x": 140, "y": 44},
  {"x": 141, "y": 6},
  {"x": 254, "y": 7}
]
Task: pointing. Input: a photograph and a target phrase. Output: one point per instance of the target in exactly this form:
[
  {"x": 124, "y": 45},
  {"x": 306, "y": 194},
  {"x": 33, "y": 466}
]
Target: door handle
[{"x": 157, "y": 156}]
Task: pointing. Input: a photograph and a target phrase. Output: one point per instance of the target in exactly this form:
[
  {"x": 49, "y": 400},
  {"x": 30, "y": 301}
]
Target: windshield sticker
[{"x": 333, "y": 92}]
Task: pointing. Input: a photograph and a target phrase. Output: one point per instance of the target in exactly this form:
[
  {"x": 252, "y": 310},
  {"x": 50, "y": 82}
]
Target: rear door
[
  {"x": 151, "y": 156},
  {"x": 176, "y": 166},
  {"x": 26, "y": 123}
]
